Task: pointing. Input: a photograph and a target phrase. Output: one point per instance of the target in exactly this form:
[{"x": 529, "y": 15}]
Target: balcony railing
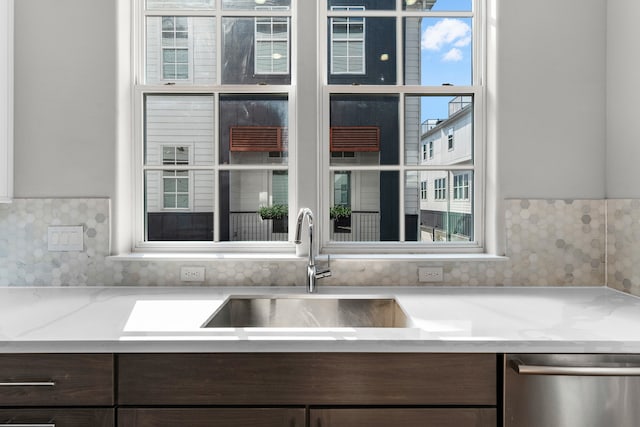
[{"x": 248, "y": 226}]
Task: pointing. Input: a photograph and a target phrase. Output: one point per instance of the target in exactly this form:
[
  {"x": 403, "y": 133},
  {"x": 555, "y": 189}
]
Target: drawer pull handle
[
  {"x": 27, "y": 425},
  {"x": 27, "y": 384}
]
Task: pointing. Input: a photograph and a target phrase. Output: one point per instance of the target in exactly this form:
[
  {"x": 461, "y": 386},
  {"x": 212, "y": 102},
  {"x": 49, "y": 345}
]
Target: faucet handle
[{"x": 324, "y": 272}]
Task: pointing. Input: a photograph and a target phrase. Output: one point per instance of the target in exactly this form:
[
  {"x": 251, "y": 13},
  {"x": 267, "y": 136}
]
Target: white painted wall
[
  {"x": 65, "y": 98},
  {"x": 550, "y": 98},
  {"x": 623, "y": 93}
]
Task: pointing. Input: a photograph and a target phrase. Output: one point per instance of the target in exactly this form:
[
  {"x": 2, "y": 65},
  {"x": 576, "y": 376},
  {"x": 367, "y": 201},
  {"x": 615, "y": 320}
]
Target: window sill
[{"x": 172, "y": 256}]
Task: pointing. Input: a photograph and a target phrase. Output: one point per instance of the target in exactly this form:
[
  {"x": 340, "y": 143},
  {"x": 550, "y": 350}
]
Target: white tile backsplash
[{"x": 549, "y": 242}]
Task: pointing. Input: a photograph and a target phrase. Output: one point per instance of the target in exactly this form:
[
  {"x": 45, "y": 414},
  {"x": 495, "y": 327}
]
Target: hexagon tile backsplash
[{"x": 549, "y": 242}]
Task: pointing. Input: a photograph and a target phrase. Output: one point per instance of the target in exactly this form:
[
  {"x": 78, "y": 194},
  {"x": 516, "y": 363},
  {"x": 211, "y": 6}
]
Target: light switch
[{"x": 65, "y": 238}]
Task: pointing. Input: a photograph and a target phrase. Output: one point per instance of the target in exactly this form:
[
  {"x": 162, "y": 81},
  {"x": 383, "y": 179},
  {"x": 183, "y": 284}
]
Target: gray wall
[
  {"x": 64, "y": 98},
  {"x": 551, "y": 98},
  {"x": 623, "y": 95}
]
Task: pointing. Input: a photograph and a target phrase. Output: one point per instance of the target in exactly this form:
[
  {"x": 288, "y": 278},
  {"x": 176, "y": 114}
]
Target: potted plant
[
  {"x": 278, "y": 213},
  {"x": 341, "y": 216}
]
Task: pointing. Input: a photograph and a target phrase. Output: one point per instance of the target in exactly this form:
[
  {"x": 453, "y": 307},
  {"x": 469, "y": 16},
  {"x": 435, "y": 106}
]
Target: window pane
[
  {"x": 446, "y": 214},
  {"x": 438, "y": 5},
  {"x": 253, "y": 4},
  {"x": 180, "y": 4},
  {"x": 180, "y": 50},
  {"x": 239, "y": 48},
  {"x": 179, "y": 122},
  {"x": 372, "y": 202},
  {"x": 438, "y": 51},
  {"x": 367, "y": 4},
  {"x": 366, "y": 126},
  {"x": 254, "y": 129},
  {"x": 243, "y": 194},
  {"x": 362, "y": 51},
  {"x": 430, "y": 122},
  {"x": 179, "y": 205}
]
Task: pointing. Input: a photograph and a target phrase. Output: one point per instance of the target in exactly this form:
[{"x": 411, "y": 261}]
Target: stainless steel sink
[{"x": 308, "y": 312}]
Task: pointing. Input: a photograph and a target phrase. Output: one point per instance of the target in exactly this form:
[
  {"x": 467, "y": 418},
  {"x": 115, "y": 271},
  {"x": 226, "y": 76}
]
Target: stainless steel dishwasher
[{"x": 572, "y": 390}]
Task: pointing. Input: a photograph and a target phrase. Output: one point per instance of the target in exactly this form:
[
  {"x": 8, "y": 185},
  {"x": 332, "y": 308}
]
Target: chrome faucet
[{"x": 313, "y": 273}]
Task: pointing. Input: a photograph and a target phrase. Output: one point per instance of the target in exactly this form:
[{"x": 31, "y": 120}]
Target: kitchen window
[{"x": 236, "y": 154}]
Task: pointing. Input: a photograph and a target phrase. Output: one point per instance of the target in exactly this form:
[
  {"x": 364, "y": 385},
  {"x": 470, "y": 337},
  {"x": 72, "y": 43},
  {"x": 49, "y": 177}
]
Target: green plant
[
  {"x": 273, "y": 212},
  {"x": 339, "y": 211}
]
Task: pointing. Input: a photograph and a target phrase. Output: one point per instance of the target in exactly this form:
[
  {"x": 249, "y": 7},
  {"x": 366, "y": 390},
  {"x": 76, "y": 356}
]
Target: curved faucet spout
[
  {"x": 304, "y": 212},
  {"x": 313, "y": 273}
]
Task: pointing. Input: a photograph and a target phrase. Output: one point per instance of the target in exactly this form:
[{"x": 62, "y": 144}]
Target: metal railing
[
  {"x": 249, "y": 226},
  {"x": 364, "y": 226}
]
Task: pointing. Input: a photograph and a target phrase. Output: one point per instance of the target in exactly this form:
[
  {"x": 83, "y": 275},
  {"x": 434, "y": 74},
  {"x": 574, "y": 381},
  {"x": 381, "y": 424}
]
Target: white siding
[
  {"x": 412, "y": 122},
  {"x": 180, "y": 121},
  {"x": 365, "y": 191}
]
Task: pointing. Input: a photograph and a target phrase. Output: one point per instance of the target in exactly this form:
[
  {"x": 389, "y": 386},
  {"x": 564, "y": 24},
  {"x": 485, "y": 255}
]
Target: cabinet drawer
[
  {"x": 405, "y": 417},
  {"x": 307, "y": 379},
  {"x": 209, "y": 417},
  {"x": 56, "y": 379},
  {"x": 58, "y": 417}
]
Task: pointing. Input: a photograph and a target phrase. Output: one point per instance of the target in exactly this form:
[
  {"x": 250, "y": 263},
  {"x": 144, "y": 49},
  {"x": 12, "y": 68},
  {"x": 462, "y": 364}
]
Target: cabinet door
[
  {"x": 307, "y": 379},
  {"x": 56, "y": 380},
  {"x": 405, "y": 417},
  {"x": 62, "y": 417},
  {"x": 212, "y": 417}
]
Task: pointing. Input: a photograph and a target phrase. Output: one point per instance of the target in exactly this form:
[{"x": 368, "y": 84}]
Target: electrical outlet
[
  {"x": 192, "y": 274},
  {"x": 430, "y": 274},
  {"x": 65, "y": 238}
]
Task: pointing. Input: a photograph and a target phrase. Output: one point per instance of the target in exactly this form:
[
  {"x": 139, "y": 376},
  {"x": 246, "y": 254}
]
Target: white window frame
[
  {"x": 139, "y": 89},
  {"x": 440, "y": 189},
  {"x": 450, "y": 139},
  {"x": 188, "y": 48},
  {"x": 476, "y": 90},
  {"x": 461, "y": 186},
  {"x": 424, "y": 190},
  {"x": 348, "y": 40},
  {"x": 169, "y": 167},
  {"x": 302, "y": 185},
  {"x": 430, "y": 150},
  {"x": 271, "y": 40}
]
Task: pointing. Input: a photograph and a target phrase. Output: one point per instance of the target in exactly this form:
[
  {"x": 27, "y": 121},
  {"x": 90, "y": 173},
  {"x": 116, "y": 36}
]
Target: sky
[{"x": 446, "y": 51}]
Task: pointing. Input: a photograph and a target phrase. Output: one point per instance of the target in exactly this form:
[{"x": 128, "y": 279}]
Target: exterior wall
[
  {"x": 202, "y": 55},
  {"x": 461, "y": 153},
  {"x": 167, "y": 124}
]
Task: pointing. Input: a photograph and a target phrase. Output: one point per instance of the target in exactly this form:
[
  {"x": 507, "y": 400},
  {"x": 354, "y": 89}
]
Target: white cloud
[
  {"x": 445, "y": 32},
  {"x": 454, "y": 55}
]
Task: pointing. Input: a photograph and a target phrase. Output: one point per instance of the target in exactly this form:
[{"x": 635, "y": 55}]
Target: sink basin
[{"x": 308, "y": 312}]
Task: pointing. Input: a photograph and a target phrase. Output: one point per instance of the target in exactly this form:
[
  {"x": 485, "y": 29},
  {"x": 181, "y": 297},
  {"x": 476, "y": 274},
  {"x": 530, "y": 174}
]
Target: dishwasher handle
[{"x": 587, "y": 371}]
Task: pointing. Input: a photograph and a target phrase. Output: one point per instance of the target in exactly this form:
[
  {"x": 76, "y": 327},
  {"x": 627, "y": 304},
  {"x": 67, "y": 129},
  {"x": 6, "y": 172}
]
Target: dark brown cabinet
[
  {"x": 405, "y": 417},
  {"x": 212, "y": 417},
  {"x": 249, "y": 389},
  {"x": 61, "y": 390},
  {"x": 332, "y": 389},
  {"x": 58, "y": 417}
]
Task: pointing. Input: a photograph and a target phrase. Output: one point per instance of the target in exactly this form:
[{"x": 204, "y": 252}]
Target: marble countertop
[{"x": 443, "y": 319}]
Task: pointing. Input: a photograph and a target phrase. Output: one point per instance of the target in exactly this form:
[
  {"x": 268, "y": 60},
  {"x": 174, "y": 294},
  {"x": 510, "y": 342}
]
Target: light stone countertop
[{"x": 444, "y": 319}]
